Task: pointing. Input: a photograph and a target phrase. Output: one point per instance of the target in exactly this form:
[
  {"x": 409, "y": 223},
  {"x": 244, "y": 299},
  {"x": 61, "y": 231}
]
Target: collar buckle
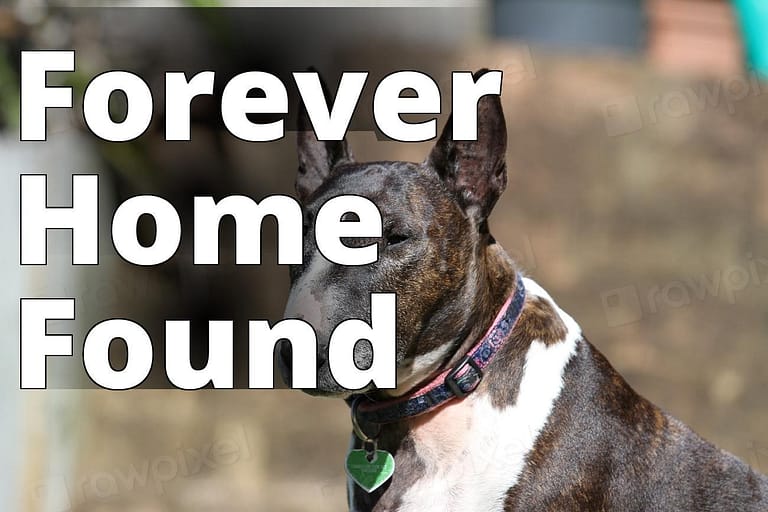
[
  {"x": 454, "y": 384},
  {"x": 461, "y": 380}
]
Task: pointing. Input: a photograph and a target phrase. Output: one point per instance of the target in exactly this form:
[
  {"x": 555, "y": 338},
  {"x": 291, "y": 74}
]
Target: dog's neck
[
  {"x": 491, "y": 282},
  {"x": 454, "y": 446},
  {"x": 494, "y": 285}
]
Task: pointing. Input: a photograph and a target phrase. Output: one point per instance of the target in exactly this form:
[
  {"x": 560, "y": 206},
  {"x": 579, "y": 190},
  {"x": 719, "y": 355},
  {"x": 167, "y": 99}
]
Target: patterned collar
[{"x": 456, "y": 382}]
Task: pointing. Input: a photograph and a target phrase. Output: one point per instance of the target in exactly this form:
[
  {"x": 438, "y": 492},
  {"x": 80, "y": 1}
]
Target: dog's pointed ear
[
  {"x": 475, "y": 170},
  {"x": 316, "y": 158}
]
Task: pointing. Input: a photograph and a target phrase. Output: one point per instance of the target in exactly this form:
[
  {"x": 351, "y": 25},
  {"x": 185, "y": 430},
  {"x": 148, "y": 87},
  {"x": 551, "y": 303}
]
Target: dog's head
[{"x": 432, "y": 253}]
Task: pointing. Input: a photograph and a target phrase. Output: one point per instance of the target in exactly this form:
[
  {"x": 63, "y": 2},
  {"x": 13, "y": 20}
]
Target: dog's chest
[
  {"x": 465, "y": 464},
  {"x": 468, "y": 455}
]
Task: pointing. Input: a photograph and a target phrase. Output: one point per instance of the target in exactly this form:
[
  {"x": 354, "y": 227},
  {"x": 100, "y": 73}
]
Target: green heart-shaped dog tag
[{"x": 370, "y": 475}]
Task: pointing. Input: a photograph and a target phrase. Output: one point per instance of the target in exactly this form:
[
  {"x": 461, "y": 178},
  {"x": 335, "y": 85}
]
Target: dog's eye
[{"x": 395, "y": 238}]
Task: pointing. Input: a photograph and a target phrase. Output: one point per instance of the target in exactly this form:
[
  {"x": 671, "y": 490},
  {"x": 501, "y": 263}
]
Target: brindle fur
[{"x": 604, "y": 448}]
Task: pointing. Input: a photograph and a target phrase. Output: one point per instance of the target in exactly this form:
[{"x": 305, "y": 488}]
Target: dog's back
[
  {"x": 607, "y": 448},
  {"x": 553, "y": 427}
]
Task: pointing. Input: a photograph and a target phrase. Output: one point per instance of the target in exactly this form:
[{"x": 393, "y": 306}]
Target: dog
[{"x": 501, "y": 402}]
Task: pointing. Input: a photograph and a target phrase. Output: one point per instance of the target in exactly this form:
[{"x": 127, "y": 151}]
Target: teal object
[{"x": 753, "y": 16}]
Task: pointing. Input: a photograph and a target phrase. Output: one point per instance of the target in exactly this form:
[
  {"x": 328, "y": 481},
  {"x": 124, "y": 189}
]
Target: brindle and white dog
[{"x": 549, "y": 424}]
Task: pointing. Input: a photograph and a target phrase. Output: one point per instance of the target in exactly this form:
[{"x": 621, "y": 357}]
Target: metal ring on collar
[{"x": 356, "y": 424}]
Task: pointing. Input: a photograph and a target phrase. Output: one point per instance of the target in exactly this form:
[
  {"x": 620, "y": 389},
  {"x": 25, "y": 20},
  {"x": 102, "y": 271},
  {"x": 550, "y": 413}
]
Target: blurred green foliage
[
  {"x": 203, "y": 3},
  {"x": 9, "y": 90}
]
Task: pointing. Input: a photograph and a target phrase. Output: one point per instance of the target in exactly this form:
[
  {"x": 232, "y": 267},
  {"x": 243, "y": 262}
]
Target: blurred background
[{"x": 638, "y": 196}]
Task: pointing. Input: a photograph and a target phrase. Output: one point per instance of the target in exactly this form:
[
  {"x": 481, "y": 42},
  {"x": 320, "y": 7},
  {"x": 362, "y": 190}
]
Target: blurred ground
[{"x": 639, "y": 201}]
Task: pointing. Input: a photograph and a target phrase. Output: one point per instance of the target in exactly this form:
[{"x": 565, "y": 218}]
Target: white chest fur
[{"x": 474, "y": 452}]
